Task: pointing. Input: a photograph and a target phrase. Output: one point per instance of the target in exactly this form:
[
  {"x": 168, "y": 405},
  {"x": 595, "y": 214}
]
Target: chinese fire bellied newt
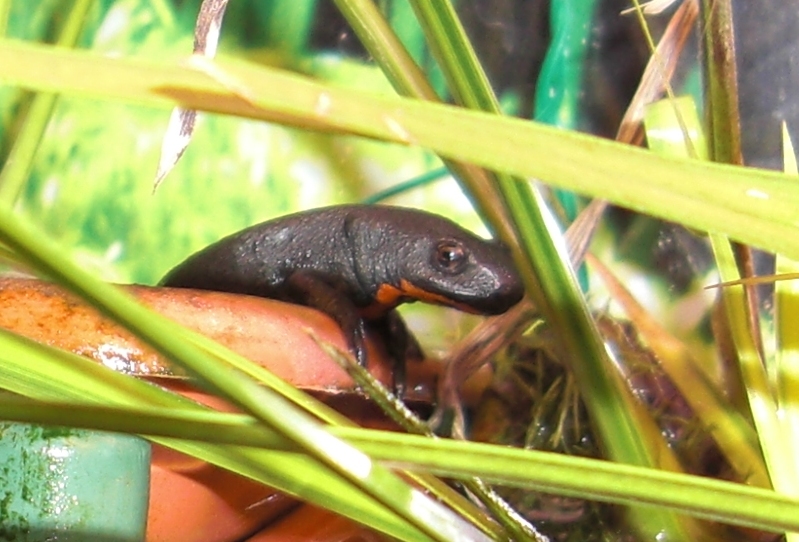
[{"x": 357, "y": 263}]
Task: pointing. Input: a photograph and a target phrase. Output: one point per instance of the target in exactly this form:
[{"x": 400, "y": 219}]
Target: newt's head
[
  {"x": 431, "y": 259},
  {"x": 465, "y": 272}
]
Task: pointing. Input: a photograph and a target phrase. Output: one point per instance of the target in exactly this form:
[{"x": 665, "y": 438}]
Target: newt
[{"x": 357, "y": 263}]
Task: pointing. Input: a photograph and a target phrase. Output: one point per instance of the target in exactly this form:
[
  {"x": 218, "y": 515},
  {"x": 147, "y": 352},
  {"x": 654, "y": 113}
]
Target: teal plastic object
[
  {"x": 560, "y": 83},
  {"x": 72, "y": 485},
  {"x": 561, "y": 80}
]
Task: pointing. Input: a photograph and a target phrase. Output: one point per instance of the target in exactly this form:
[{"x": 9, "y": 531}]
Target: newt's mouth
[
  {"x": 409, "y": 291},
  {"x": 389, "y": 296}
]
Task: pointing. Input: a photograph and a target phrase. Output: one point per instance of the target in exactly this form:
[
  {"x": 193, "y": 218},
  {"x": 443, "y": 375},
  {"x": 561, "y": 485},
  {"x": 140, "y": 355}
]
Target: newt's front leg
[
  {"x": 402, "y": 346},
  {"x": 313, "y": 290}
]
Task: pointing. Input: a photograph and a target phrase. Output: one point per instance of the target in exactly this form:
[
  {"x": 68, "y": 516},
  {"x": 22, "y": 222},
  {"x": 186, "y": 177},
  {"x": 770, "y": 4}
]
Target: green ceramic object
[{"x": 69, "y": 485}]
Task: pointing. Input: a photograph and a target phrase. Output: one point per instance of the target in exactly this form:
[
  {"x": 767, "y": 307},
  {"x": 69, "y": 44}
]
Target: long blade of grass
[
  {"x": 469, "y": 85},
  {"x": 184, "y": 424},
  {"x": 550, "y": 282},
  {"x": 749, "y": 205},
  {"x": 785, "y": 366},
  {"x": 758, "y": 389},
  {"x": 728, "y": 502},
  {"x": 724, "y": 125},
  {"x": 702, "y": 497},
  {"x": 741, "y": 302}
]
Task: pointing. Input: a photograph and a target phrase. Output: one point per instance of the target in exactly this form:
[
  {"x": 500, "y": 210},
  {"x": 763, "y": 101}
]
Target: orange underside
[{"x": 389, "y": 296}]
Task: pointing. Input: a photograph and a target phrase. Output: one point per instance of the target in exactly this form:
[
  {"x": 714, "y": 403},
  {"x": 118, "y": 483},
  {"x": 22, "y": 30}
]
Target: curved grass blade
[
  {"x": 741, "y": 302},
  {"x": 750, "y": 205},
  {"x": 728, "y": 502},
  {"x": 34, "y": 370},
  {"x": 607, "y": 481},
  {"x": 785, "y": 366}
]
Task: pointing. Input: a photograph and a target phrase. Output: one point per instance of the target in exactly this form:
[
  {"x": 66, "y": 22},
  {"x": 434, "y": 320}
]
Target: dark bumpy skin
[{"x": 356, "y": 263}]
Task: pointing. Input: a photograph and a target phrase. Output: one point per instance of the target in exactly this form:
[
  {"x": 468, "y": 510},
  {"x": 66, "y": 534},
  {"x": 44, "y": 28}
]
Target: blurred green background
[{"x": 91, "y": 186}]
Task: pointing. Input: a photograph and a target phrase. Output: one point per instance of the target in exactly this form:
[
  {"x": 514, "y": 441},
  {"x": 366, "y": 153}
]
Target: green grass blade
[
  {"x": 386, "y": 48},
  {"x": 541, "y": 471},
  {"x": 184, "y": 424},
  {"x": 447, "y": 39},
  {"x": 785, "y": 366},
  {"x": 740, "y": 302},
  {"x": 750, "y": 205},
  {"x": 707, "y": 498},
  {"x": 759, "y": 392}
]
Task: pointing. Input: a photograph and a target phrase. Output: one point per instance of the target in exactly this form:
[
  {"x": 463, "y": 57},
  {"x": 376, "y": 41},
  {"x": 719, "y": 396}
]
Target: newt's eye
[{"x": 450, "y": 256}]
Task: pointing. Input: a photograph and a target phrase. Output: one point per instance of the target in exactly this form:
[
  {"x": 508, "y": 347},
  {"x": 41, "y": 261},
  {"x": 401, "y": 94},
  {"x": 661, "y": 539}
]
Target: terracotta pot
[{"x": 191, "y": 500}]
